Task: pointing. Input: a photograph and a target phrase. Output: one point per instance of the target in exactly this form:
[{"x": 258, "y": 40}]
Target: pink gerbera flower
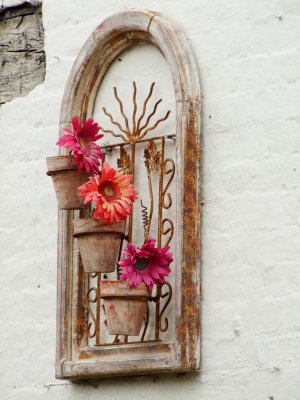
[
  {"x": 81, "y": 140},
  {"x": 147, "y": 264},
  {"x": 112, "y": 192}
]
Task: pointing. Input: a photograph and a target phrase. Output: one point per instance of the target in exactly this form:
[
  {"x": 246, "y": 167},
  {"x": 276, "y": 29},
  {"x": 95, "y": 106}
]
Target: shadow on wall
[
  {"x": 22, "y": 55},
  {"x": 170, "y": 380}
]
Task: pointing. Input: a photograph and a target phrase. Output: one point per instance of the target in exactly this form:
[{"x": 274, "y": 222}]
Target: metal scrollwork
[
  {"x": 168, "y": 230},
  {"x": 93, "y": 300},
  {"x": 171, "y": 172},
  {"x": 168, "y": 294}
]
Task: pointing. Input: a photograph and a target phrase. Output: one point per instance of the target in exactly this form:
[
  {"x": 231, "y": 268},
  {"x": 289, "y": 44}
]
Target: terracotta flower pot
[
  {"x": 125, "y": 306},
  {"x": 98, "y": 243},
  {"x": 66, "y": 180}
]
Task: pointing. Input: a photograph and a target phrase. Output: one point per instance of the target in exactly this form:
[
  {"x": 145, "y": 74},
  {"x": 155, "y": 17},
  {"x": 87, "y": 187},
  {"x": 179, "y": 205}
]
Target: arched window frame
[{"x": 114, "y": 35}]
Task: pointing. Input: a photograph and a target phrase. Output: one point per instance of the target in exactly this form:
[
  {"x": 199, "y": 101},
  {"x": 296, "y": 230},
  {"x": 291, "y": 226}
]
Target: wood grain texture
[{"x": 74, "y": 360}]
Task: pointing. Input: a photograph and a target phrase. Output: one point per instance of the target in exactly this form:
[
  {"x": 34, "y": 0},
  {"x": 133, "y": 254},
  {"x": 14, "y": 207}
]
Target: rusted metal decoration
[
  {"x": 99, "y": 254},
  {"x": 84, "y": 348}
]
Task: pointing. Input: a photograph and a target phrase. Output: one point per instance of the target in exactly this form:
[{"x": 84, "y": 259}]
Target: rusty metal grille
[{"x": 158, "y": 170}]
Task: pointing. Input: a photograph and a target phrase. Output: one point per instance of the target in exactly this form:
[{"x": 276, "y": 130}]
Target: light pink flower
[
  {"x": 147, "y": 264},
  {"x": 81, "y": 140}
]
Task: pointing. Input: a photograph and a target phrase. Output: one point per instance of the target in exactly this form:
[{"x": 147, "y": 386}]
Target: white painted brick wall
[{"x": 248, "y": 53}]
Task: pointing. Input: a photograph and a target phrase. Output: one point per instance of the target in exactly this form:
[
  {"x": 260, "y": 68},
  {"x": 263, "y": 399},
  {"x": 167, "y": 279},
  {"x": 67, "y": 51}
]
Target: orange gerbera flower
[{"x": 112, "y": 192}]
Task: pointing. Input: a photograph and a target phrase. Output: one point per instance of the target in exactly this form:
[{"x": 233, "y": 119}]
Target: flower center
[
  {"x": 110, "y": 191},
  {"x": 82, "y": 143},
  {"x": 141, "y": 263}
]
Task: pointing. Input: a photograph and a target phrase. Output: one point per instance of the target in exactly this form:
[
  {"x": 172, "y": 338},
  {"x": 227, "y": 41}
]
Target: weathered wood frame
[{"x": 74, "y": 360}]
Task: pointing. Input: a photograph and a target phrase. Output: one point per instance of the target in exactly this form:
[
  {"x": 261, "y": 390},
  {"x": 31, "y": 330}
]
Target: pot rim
[
  {"x": 143, "y": 290},
  {"x": 90, "y": 225},
  {"x": 65, "y": 163}
]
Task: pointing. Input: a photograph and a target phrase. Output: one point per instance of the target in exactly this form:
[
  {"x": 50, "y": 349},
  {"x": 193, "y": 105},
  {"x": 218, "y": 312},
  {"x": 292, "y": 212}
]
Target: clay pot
[
  {"x": 98, "y": 243},
  {"x": 66, "y": 180},
  {"x": 125, "y": 306}
]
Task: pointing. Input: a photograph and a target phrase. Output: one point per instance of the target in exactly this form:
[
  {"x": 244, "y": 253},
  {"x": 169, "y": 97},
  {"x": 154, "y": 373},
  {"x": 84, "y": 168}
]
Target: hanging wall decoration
[{"x": 128, "y": 258}]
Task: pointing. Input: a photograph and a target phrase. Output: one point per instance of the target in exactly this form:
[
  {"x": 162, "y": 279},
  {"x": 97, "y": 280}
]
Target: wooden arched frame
[{"x": 73, "y": 359}]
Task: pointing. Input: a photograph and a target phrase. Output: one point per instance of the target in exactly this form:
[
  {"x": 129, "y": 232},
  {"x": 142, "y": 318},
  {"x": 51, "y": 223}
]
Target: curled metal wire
[
  {"x": 168, "y": 294},
  {"x": 167, "y": 230},
  {"x": 145, "y": 217},
  {"x": 171, "y": 172}
]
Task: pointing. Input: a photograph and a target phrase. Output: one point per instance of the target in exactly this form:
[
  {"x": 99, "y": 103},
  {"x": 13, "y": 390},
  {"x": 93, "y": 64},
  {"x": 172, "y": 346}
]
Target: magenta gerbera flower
[
  {"x": 147, "y": 264},
  {"x": 81, "y": 140}
]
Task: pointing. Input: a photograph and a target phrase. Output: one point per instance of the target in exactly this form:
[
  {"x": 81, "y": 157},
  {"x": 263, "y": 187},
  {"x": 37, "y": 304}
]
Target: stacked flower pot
[
  {"x": 100, "y": 238},
  {"x": 79, "y": 181}
]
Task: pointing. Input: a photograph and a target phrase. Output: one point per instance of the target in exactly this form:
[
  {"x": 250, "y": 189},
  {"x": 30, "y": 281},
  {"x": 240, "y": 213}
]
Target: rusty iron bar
[
  {"x": 160, "y": 194},
  {"x": 125, "y": 343},
  {"x": 169, "y": 294},
  {"x": 150, "y": 115},
  {"x": 146, "y": 319},
  {"x": 98, "y": 326},
  {"x": 156, "y": 124},
  {"x": 159, "y": 231},
  {"x": 134, "y": 108},
  {"x": 152, "y": 158},
  {"x": 111, "y": 146},
  {"x": 113, "y": 133},
  {"x": 151, "y": 203},
  {"x": 119, "y": 269},
  {"x": 145, "y": 105},
  {"x": 114, "y": 122},
  {"x": 132, "y": 165},
  {"x": 122, "y": 111}
]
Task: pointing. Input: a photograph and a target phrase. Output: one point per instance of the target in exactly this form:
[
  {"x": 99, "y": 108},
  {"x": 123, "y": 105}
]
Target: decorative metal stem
[
  {"x": 98, "y": 310},
  {"x": 137, "y": 131},
  {"x": 132, "y": 162},
  {"x": 159, "y": 232},
  {"x": 161, "y": 183}
]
